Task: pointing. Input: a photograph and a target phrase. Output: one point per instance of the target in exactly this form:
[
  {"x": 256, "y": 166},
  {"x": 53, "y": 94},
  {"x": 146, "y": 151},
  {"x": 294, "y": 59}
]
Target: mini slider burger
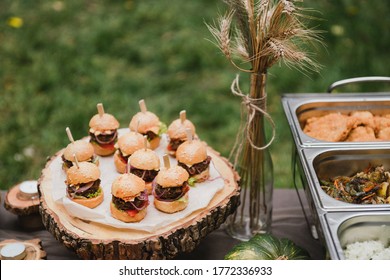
[
  {"x": 147, "y": 123},
  {"x": 84, "y": 152},
  {"x": 129, "y": 198},
  {"x": 83, "y": 184},
  {"x": 127, "y": 144},
  {"x": 171, "y": 188},
  {"x": 145, "y": 163},
  {"x": 103, "y": 130},
  {"x": 177, "y": 132},
  {"x": 192, "y": 156}
]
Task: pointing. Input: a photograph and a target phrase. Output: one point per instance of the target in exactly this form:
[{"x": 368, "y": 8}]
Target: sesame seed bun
[
  {"x": 177, "y": 129},
  {"x": 124, "y": 217},
  {"x": 130, "y": 142},
  {"x": 86, "y": 172},
  {"x": 172, "y": 206},
  {"x": 90, "y": 202},
  {"x": 172, "y": 177},
  {"x": 104, "y": 122},
  {"x": 127, "y": 186},
  {"x": 191, "y": 152},
  {"x": 82, "y": 149},
  {"x": 145, "y": 159},
  {"x": 146, "y": 121}
]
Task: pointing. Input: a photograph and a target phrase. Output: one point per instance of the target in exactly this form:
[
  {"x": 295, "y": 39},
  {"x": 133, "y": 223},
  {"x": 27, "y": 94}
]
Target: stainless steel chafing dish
[
  {"x": 300, "y": 107},
  {"x": 336, "y": 222},
  {"x": 348, "y": 227},
  {"x": 328, "y": 163}
]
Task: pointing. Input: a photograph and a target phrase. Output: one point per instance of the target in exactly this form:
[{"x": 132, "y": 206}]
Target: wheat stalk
[
  {"x": 260, "y": 33},
  {"x": 266, "y": 32}
]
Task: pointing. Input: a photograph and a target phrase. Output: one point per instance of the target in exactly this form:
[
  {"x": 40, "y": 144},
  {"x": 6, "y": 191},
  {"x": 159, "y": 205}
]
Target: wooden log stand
[
  {"x": 26, "y": 208},
  {"x": 33, "y": 247},
  {"x": 91, "y": 240}
]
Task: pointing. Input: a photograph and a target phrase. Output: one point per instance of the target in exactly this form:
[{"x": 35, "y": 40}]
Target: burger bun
[
  {"x": 85, "y": 172},
  {"x": 172, "y": 206},
  {"x": 104, "y": 122},
  {"x": 178, "y": 129},
  {"x": 82, "y": 149},
  {"x": 203, "y": 176},
  {"x": 191, "y": 152},
  {"x": 144, "y": 122},
  {"x": 124, "y": 217},
  {"x": 103, "y": 150},
  {"x": 119, "y": 164},
  {"x": 127, "y": 186},
  {"x": 154, "y": 143},
  {"x": 130, "y": 142},
  {"x": 172, "y": 177},
  {"x": 145, "y": 159}
]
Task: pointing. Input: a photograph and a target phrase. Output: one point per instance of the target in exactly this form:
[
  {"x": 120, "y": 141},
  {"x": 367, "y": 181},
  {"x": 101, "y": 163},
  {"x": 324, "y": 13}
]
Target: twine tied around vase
[{"x": 253, "y": 106}]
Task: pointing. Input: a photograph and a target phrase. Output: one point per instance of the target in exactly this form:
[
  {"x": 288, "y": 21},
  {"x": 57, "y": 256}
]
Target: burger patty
[
  {"x": 171, "y": 193},
  {"x": 150, "y": 135},
  {"x": 67, "y": 163},
  {"x": 83, "y": 189},
  {"x": 174, "y": 144},
  {"x": 196, "y": 168},
  {"x": 147, "y": 175},
  {"x": 104, "y": 138},
  {"x": 128, "y": 205}
]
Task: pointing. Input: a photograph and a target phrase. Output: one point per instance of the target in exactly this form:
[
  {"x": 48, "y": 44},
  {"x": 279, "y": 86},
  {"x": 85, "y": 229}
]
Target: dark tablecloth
[{"x": 287, "y": 221}]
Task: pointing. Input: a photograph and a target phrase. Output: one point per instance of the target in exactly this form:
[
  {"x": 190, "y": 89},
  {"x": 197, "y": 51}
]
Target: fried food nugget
[
  {"x": 333, "y": 127},
  {"x": 364, "y": 118},
  {"x": 381, "y": 122},
  {"x": 384, "y": 134},
  {"x": 361, "y": 134}
]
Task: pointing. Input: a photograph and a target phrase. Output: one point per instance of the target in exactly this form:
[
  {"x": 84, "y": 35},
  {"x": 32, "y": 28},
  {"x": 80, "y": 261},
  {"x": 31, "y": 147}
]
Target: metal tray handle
[{"x": 358, "y": 80}]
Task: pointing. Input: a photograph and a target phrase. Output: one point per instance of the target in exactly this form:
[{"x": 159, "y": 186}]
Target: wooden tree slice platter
[
  {"x": 92, "y": 240},
  {"x": 33, "y": 251}
]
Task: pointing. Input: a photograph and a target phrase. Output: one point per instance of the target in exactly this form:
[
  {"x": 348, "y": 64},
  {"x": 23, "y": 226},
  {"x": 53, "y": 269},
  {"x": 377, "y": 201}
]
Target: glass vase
[{"x": 253, "y": 163}]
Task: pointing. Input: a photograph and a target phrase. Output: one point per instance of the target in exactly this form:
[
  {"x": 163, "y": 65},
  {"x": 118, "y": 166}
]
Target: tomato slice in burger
[
  {"x": 107, "y": 146},
  {"x": 132, "y": 213}
]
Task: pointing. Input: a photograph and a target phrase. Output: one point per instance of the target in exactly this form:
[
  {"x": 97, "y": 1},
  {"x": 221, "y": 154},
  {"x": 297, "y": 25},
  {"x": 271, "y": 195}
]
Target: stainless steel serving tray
[
  {"x": 327, "y": 163},
  {"x": 300, "y": 107},
  {"x": 335, "y": 220},
  {"x": 345, "y": 228}
]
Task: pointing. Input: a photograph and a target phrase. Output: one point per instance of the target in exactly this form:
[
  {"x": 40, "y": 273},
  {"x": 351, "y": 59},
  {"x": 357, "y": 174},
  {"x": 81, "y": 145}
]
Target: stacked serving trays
[{"x": 339, "y": 223}]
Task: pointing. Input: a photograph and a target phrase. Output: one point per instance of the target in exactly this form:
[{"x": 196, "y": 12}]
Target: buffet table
[{"x": 288, "y": 222}]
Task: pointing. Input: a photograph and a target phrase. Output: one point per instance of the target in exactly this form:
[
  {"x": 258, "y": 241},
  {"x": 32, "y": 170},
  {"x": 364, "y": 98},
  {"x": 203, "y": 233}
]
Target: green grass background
[{"x": 70, "y": 55}]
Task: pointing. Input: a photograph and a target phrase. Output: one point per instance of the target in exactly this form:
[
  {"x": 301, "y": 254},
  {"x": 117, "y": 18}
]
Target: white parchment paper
[{"x": 199, "y": 196}]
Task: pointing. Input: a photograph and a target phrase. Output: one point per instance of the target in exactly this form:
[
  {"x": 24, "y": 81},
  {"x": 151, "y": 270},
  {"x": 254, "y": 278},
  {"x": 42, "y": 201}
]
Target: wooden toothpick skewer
[
  {"x": 100, "y": 109},
  {"x": 189, "y": 134},
  {"x": 183, "y": 116},
  {"x": 146, "y": 142},
  {"x": 142, "y": 106},
  {"x": 76, "y": 161},
  {"x": 69, "y": 135},
  {"x": 167, "y": 164},
  {"x": 128, "y": 166}
]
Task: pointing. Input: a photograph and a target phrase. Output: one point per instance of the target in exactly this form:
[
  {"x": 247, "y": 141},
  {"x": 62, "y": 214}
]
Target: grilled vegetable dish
[{"x": 370, "y": 186}]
